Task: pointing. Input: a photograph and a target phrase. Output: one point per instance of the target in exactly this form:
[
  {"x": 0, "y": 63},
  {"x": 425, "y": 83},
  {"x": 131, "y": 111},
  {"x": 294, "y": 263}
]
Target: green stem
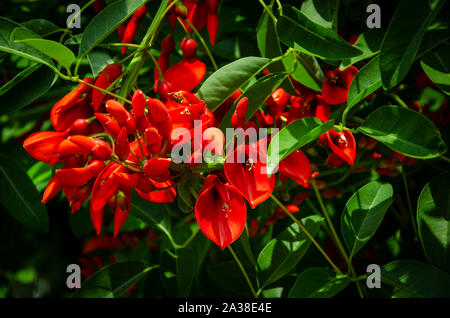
[
  {"x": 161, "y": 75},
  {"x": 302, "y": 227},
  {"x": 408, "y": 199},
  {"x": 204, "y": 44},
  {"x": 104, "y": 91},
  {"x": 445, "y": 158},
  {"x": 335, "y": 236},
  {"x": 189, "y": 240},
  {"x": 267, "y": 9},
  {"x": 242, "y": 270},
  {"x": 398, "y": 100}
]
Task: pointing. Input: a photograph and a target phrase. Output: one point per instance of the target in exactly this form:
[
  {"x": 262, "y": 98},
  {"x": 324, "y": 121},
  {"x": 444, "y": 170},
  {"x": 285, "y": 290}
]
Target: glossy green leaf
[
  {"x": 8, "y": 45},
  {"x": 437, "y": 66},
  {"x": 106, "y": 22},
  {"x": 267, "y": 37},
  {"x": 363, "y": 214},
  {"x": 257, "y": 94},
  {"x": 42, "y": 27},
  {"x": 403, "y": 37},
  {"x": 113, "y": 280},
  {"x": 295, "y": 135},
  {"x": 283, "y": 253},
  {"x": 35, "y": 80},
  {"x": 416, "y": 279},
  {"x": 225, "y": 81},
  {"x": 306, "y": 70},
  {"x": 365, "y": 82},
  {"x": 369, "y": 43},
  {"x": 53, "y": 49},
  {"x": 19, "y": 196},
  {"x": 404, "y": 131},
  {"x": 323, "y": 12},
  {"x": 433, "y": 220},
  {"x": 317, "y": 282},
  {"x": 154, "y": 214},
  {"x": 297, "y": 31}
]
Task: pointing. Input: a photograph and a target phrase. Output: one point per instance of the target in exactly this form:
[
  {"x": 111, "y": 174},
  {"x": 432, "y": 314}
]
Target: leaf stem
[
  {"x": 204, "y": 45},
  {"x": 189, "y": 240},
  {"x": 281, "y": 205},
  {"x": 242, "y": 270},
  {"x": 103, "y": 91},
  {"x": 398, "y": 100}
]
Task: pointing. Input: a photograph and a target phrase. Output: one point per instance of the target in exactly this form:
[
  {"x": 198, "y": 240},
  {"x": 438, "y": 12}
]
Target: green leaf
[
  {"x": 437, "y": 66},
  {"x": 267, "y": 37},
  {"x": 8, "y": 45},
  {"x": 433, "y": 220},
  {"x": 225, "y": 81},
  {"x": 297, "y": 31},
  {"x": 405, "y": 131},
  {"x": 283, "y": 253},
  {"x": 106, "y": 22},
  {"x": 154, "y": 214},
  {"x": 317, "y": 282},
  {"x": 295, "y": 135},
  {"x": 35, "y": 80},
  {"x": 365, "y": 82},
  {"x": 113, "y": 280},
  {"x": 98, "y": 60},
  {"x": 403, "y": 38},
  {"x": 186, "y": 268},
  {"x": 55, "y": 50},
  {"x": 257, "y": 94},
  {"x": 363, "y": 214},
  {"x": 416, "y": 279},
  {"x": 321, "y": 11},
  {"x": 168, "y": 272},
  {"x": 369, "y": 43},
  {"x": 307, "y": 70},
  {"x": 42, "y": 27},
  {"x": 19, "y": 196}
]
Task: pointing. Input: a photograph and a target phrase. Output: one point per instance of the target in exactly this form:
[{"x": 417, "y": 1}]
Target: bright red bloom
[
  {"x": 249, "y": 177},
  {"x": 220, "y": 212},
  {"x": 42, "y": 145},
  {"x": 189, "y": 72},
  {"x": 342, "y": 144},
  {"x": 311, "y": 105},
  {"x": 297, "y": 167},
  {"x": 107, "y": 76},
  {"x": 336, "y": 85}
]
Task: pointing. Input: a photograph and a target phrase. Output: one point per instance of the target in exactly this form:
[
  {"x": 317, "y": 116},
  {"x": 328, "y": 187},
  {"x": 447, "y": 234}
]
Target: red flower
[
  {"x": 43, "y": 144},
  {"x": 297, "y": 167},
  {"x": 311, "y": 105},
  {"x": 220, "y": 212},
  {"x": 250, "y": 177},
  {"x": 342, "y": 144},
  {"x": 336, "y": 85},
  {"x": 188, "y": 73}
]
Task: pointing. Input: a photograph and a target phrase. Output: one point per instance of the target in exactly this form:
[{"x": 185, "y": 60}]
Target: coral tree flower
[
  {"x": 189, "y": 72},
  {"x": 342, "y": 144},
  {"x": 220, "y": 212},
  {"x": 297, "y": 167},
  {"x": 250, "y": 176},
  {"x": 336, "y": 85}
]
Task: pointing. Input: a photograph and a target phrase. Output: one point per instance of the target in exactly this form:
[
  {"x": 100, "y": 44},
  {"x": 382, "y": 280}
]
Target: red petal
[
  {"x": 41, "y": 145},
  {"x": 297, "y": 167},
  {"x": 221, "y": 221},
  {"x": 185, "y": 75}
]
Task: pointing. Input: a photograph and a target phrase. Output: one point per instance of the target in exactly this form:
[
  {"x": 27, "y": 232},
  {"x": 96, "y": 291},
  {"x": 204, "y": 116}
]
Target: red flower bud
[
  {"x": 139, "y": 14},
  {"x": 213, "y": 27},
  {"x": 138, "y": 104},
  {"x": 122, "y": 147},
  {"x": 158, "y": 169},
  {"x": 129, "y": 34},
  {"x": 167, "y": 44},
  {"x": 111, "y": 126},
  {"x": 241, "y": 108},
  {"x": 153, "y": 139},
  {"x": 79, "y": 127},
  {"x": 108, "y": 75},
  {"x": 123, "y": 116},
  {"x": 188, "y": 47}
]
